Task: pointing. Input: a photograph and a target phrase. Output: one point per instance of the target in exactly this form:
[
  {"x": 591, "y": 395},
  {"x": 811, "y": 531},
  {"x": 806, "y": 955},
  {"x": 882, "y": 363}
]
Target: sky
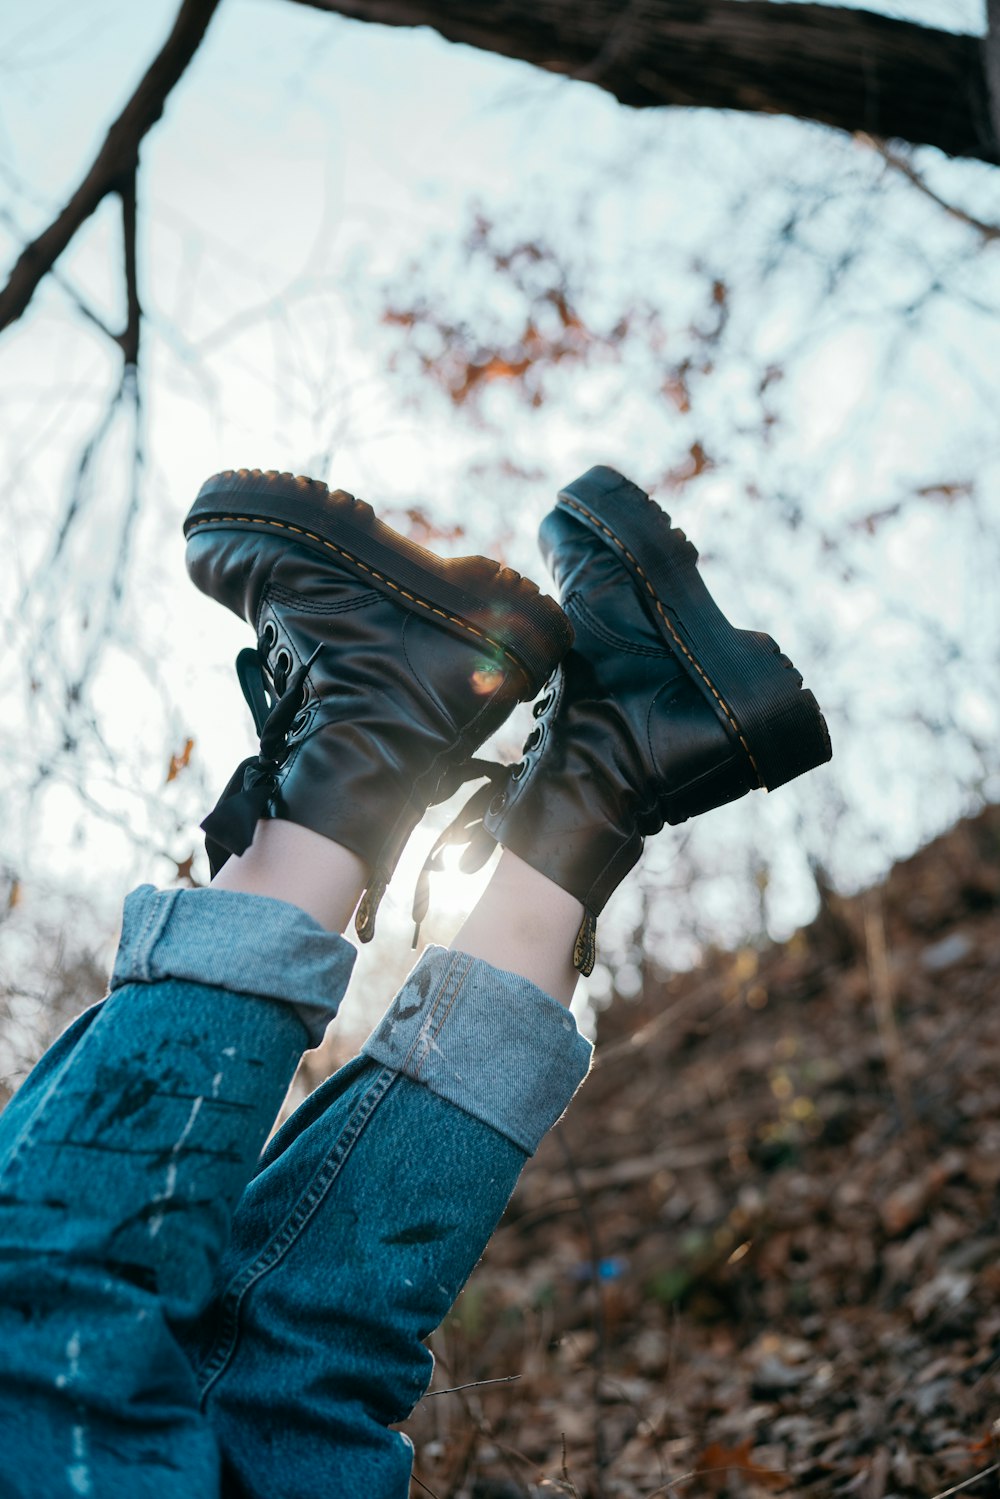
[{"x": 308, "y": 169}]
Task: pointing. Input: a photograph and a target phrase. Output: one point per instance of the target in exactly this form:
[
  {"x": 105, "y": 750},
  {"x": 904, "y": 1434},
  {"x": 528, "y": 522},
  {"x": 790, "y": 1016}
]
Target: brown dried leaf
[
  {"x": 696, "y": 463},
  {"x": 184, "y": 872},
  {"x": 179, "y": 762},
  {"x": 675, "y": 388},
  {"x": 717, "y": 1461}
]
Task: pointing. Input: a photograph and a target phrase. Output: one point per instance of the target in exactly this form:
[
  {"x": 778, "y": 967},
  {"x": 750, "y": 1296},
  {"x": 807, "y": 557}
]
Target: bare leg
[
  {"x": 526, "y": 925},
  {"x": 294, "y": 864}
]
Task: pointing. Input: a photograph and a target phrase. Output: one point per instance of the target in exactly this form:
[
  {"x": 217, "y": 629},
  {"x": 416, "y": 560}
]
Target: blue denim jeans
[{"x": 184, "y": 1317}]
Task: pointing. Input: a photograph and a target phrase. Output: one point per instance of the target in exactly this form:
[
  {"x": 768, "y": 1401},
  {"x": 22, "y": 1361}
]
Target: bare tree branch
[
  {"x": 113, "y": 169},
  {"x": 133, "y": 314},
  {"x": 81, "y": 305},
  {"x": 908, "y": 170},
  {"x": 852, "y": 69}
]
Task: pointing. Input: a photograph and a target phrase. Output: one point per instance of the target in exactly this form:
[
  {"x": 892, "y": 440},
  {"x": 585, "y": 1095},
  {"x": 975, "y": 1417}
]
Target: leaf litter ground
[{"x": 761, "y": 1254}]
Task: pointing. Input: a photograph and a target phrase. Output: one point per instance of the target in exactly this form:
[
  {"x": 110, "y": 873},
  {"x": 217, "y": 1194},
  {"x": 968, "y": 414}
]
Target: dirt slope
[{"x": 784, "y": 1168}]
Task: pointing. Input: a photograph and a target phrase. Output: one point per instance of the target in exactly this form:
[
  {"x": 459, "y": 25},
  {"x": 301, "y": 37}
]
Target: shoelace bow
[
  {"x": 229, "y": 827},
  {"x": 466, "y": 828}
]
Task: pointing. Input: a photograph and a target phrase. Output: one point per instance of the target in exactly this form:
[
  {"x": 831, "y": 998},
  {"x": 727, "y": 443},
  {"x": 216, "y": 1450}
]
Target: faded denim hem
[
  {"x": 249, "y": 944},
  {"x": 489, "y": 1041}
]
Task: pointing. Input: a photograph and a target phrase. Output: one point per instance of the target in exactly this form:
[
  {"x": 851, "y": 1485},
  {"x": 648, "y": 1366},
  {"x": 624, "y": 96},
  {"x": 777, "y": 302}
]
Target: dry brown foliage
[{"x": 792, "y": 1211}]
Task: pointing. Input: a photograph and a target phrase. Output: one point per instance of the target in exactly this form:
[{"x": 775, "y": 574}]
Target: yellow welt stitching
[
  {"x": 257, "y": 520},
  {"x": 662, "y": 613}
]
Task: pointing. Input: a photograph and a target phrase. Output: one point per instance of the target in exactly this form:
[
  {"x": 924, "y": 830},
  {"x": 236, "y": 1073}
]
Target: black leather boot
[
  {"x": 379, "y": 667},
  {"x": 661, "y": 710}
]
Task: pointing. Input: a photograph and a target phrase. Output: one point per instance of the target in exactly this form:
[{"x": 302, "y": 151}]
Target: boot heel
[{"x": 727, "y": 784}]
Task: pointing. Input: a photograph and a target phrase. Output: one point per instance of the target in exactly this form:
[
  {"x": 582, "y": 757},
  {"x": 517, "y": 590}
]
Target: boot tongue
[{"x": 590, "y": 570}]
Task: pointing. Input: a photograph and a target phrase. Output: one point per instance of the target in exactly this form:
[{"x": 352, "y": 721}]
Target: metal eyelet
[
  {"x": 299, "y": 722},
  {"x": 498, "y": 803},
  {"x": 519, "y": 770},
  {"x": 534, "y": 739},
  {"x": 268, "y": 637},
  {"x": 543, "y": 705},
  {"x": 283, "y": 662}
]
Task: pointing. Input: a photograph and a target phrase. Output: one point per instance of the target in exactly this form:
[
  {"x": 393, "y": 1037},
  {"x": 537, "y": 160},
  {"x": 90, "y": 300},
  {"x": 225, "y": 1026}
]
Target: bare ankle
[
  {"x": 291, "y": 863},
  {"x": 527, "y": 925}
]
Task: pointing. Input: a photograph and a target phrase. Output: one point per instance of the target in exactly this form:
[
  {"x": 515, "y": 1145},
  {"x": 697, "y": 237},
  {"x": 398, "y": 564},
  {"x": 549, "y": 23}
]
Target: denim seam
[
  {"x": 446, "y": 996},
  {"x": 463, "y": 974},
  {"x": 215, "y": 1365},
  {"x": 160, "y": 912},
  {"x": 139, "y": 947}
]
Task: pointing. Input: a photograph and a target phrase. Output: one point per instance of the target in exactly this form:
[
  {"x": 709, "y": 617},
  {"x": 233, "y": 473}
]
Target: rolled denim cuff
[
  {"x": 487, "y": 1040},
  {"x": 249, "y": 944}
]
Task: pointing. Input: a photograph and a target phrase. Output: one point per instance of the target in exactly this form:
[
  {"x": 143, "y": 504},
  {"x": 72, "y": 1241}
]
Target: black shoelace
[
  {"x": 466, "y": 828},
  {"x": 229, "y": 827}
]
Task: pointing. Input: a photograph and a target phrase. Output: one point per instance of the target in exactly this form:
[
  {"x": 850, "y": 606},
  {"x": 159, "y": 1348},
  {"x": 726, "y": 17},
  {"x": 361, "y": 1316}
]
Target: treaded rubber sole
[
  {"x": 471, "y": 595},
  {"x": 755, "y": 690}
]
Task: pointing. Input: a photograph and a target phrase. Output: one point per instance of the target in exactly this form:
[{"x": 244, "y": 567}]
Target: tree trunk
[
  {"x": 991, "y": 45},
  {"x": 849, "y": 68}
]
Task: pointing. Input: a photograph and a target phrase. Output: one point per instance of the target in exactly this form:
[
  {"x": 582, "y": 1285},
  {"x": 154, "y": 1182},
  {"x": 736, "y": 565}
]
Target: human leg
[
  {"x": 661, "y": 711},
  {"x": 291, "y": 863},
  {"x": 375, "y": 1201},
  {"x": 371, "y": 1208},
  {"x": 127, "y": 1156},
  {"x": 525, "y": 924},
  {"x": 118, "y": 1180}
]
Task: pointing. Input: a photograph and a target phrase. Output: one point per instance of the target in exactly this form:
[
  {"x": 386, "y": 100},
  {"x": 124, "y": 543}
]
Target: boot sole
[
  {"x": 473, "y": 596},
  {"x": 756, "y": 691}
]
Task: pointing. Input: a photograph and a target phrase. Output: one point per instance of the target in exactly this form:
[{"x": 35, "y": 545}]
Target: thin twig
[
  {"x": 83, "y": 308},
  {"x": 426, "y": 1487},
  {"x": 506, "y": 1451},
  {"x": 480, "y": 1423},
  {"x": 600, "y": 1320},
  {"x": 632, "y": 1045},
  {"x": 725, "y": 1468},
  {"x": 473, "y": 1384},
  {"x": 567, "y": 1482},
  {"x": 79, "y": 493},
  {"x": 908, "y": 170},
  {"x": 63, "y": 282},
  {"x": 968, "y": 1482},
  {"x": 880, "y": 980}
]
